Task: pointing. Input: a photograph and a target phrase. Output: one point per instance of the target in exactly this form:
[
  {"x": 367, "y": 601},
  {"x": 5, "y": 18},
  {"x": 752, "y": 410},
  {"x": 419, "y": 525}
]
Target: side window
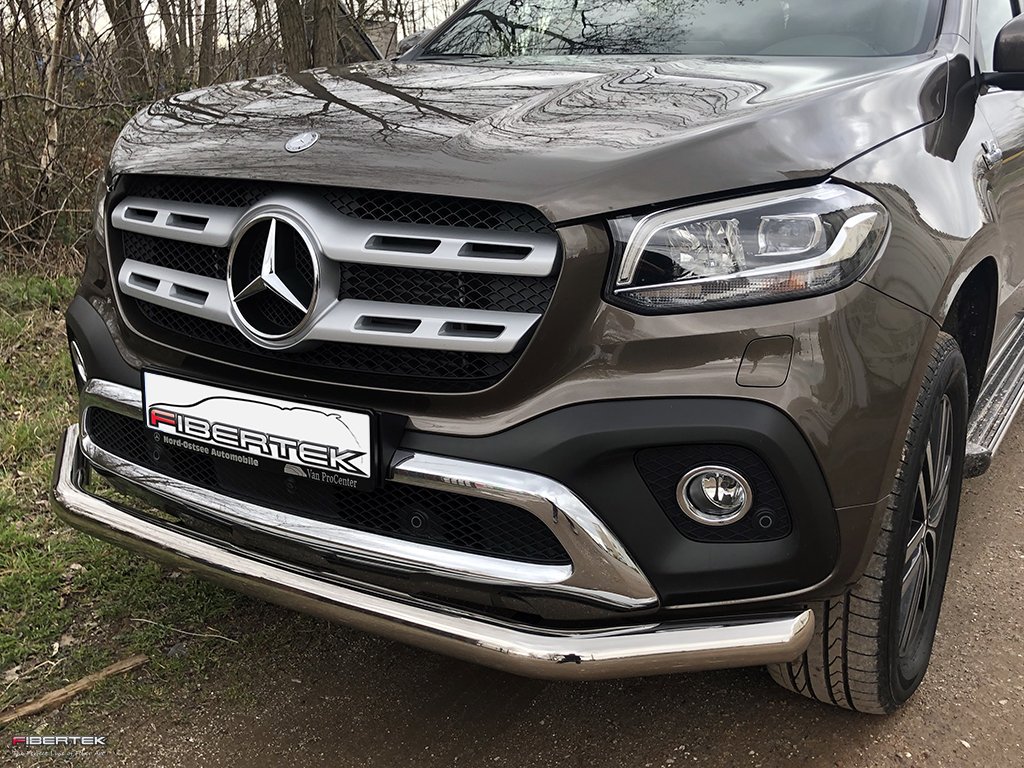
[{"x": 992, "y": 17}]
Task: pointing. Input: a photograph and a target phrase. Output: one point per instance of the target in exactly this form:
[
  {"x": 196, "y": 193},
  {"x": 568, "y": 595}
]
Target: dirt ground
[{"x": 327, "y": 696}]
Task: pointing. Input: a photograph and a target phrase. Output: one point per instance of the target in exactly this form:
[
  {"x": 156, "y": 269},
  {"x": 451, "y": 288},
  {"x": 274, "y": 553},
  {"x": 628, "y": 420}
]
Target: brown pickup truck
[{"x": 584, "y": 339}]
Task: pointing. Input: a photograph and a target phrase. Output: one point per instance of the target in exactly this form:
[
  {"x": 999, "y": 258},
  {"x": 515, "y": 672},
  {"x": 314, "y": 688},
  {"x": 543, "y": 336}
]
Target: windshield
[{"x": 508, "y": 28}]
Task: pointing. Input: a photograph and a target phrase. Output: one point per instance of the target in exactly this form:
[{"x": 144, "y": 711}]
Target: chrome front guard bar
[{"x": 627, "y": 651}]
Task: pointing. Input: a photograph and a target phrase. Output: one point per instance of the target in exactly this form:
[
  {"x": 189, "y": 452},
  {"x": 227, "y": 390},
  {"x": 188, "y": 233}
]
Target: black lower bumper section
[
  {"x": 99, "y": 353},
  {"x": 620, "y": 649},
  {"x": 591, "y": 448},
  {"x": 594, "y": 449}
]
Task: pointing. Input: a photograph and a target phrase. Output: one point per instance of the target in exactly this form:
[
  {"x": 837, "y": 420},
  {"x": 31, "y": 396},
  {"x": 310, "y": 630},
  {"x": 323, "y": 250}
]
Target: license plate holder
[{"x": 336, "y": 446}]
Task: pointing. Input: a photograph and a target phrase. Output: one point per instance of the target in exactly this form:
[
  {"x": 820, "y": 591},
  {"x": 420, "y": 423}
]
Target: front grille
[
  {"x": 356, "y": 364},
  {"x": 662, "y": 468},
  {"x": 401, "y": 208},
  {"x": 364, "y": 204},
  {"x": 421, "y": 515},
  {"x": 370, "y": 365},
  {"x": 187, "y": 257}
]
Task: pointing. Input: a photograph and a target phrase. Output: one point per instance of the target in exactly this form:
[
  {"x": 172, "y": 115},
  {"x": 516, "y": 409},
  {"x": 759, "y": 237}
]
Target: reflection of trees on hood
[
  {"x": 621, "y": 110},
  {"x": 619, "y": 105}
]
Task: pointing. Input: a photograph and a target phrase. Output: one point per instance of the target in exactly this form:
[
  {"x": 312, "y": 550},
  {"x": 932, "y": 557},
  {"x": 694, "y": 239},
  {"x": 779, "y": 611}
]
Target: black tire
[{"x": 871, "y": 649}]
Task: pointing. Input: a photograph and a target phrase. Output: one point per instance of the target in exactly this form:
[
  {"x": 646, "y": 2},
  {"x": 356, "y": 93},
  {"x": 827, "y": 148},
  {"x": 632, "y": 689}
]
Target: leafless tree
[
  {"x": 129, "y": 27},
  {"x": 208, "y": 44},
  {"x": 325, "y": 32},
  {"x": 73, "y": 71},
  {"x": 293, "y": 34}
]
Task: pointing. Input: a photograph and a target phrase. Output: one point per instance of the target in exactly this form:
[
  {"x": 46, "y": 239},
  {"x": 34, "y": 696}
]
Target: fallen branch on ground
[{"x": 63, "y": 695}]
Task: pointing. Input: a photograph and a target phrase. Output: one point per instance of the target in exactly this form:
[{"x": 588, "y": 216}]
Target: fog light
[{"x": 714, "y": 495}]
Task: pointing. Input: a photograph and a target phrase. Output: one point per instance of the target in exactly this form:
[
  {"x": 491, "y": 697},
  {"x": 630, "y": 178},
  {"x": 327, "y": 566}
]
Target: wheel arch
[{"x": 971, "y": 319}]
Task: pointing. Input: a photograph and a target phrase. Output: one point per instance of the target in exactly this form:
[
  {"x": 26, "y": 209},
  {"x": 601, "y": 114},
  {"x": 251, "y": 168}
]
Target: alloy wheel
[{"x": 926, "y": 527}]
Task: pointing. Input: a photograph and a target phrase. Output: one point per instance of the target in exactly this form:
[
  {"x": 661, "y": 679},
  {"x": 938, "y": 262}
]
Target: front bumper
[{"x": 624, "y": 651}]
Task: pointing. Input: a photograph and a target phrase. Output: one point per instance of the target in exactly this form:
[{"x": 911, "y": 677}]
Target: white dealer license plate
[{"x": 328, "y": 445}]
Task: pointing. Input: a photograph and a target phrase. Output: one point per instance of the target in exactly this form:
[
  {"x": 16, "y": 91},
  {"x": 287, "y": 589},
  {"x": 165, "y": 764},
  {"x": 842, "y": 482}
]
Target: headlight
[{"x": 751, "y": 251}]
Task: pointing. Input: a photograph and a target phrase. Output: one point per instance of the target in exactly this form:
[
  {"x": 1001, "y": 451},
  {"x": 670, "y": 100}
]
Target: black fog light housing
[{"x": 714, "y": 496}]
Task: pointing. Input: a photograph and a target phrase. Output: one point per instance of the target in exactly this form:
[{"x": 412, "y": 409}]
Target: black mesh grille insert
[
  {"x": 437, "y": 211},
  {"x": 182, "y": 189},
  {"x": 356, "y": 364},
  {"x": 365, "y": 204},
  {"x": 500, "y": 293},
  {"x": 186, "y": 257},
  {"x": 423, "y": 515},
  {"x": 662, "y": 468}
]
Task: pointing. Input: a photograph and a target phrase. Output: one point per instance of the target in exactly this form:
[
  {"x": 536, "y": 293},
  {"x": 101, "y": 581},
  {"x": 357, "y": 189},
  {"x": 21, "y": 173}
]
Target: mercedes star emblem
[
  {"x": 268, "y": 279},
  {"x": 302, "y": 142},
  {"x": 273, "y": 276}
]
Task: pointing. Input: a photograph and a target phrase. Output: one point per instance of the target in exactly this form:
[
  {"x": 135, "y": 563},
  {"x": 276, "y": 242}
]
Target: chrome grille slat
[
  {"x": 437, "y": 327},
  {"x": 163, "y": 286},
  {"x": 217, "y": 226},
  {"x": 346, "y": 240},
  {"x": 353, "y": 241},
  {"x": 346, "y": 321}
]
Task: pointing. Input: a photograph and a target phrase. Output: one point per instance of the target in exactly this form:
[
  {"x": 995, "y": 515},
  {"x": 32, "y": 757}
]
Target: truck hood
[{"x": 574, "y": 137}]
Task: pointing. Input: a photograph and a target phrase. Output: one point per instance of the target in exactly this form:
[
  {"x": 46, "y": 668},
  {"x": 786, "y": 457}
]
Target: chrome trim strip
[
  {"x": 118, "y": 398},
  {"x": 78, "y": 363},
  {"x": 601, "y": 571},
  {"x": 178, "y": 221},
  {"x": 601, "y": 565},
  {"x": 624, "y": 651},
  {"x": 324, "y": 537}
]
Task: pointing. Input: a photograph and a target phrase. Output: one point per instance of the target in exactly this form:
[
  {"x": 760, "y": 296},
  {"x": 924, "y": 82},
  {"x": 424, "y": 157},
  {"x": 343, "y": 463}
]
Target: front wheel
[{"x": 872, "y": 644}]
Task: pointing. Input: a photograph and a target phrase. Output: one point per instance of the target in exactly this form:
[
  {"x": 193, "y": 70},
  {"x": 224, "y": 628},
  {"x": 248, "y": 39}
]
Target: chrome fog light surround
[{"x": 713, "y": 495}]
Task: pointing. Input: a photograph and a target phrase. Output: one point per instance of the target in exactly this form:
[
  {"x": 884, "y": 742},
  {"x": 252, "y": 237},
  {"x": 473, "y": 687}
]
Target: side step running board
[{"x": 1000, "y": 398}]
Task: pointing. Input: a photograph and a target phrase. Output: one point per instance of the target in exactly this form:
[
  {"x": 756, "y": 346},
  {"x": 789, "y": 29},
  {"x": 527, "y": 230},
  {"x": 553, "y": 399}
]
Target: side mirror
[
  {"x": 406, "y": 44},
  {"x": 1009, "y": 57}
]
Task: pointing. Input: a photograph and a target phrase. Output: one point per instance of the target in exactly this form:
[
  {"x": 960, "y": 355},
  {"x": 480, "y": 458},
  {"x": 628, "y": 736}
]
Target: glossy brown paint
[
  {"x": 596, "y": 135},
  {"x": 1004, "y": 111},
  {"x": 950, "y": 208},
  {"x": 574, "y": 137},
  {"x": 854, "y": 352}
]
